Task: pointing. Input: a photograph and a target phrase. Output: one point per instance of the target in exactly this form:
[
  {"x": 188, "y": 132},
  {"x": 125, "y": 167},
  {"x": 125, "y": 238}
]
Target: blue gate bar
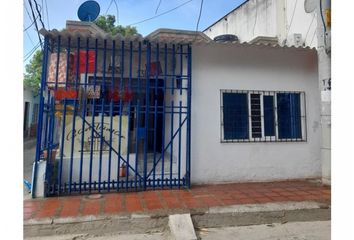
[
  {"x": 62, "y": 149},
  {"x": 120, "y": 111},
  {"x": 189, "y": 98},
  {"x": 74, "y": 115},
  {"x": 148, "y": 111},
  {"x": 101, "y": 145},
  {"x": 46, "y": 109},
  {"x": 57, "y": 64},
  {"x": 111, "y": 117},
  {"x": 155, "y": 128},
  {"x": 83, "y": 116},
  {"x": 181, "y": 69},
  {"x": 93, "y": 116},
  {"x": 163, "y": 119},
  {"x": 137, "y": 112},
  {"x": 129, "y": 103},
  {"x": 147, "y": 96},
  {"x": 68, "y": 49},
  {"x": 179, "y": 144},
  {"x": 173, "y": 68},
  {"x": 50, "y": 145},
  {"x": 171, "y": 152},
  {"x": 137, "y": 143}
]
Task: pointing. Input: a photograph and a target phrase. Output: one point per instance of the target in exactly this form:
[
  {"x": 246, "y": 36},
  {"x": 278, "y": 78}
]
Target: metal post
[{"x": 40, "y": 115}]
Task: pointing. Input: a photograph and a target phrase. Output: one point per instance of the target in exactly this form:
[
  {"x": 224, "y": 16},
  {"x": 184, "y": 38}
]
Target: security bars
[
  {"x": 262, "y": 116},
  {"x": 114, "y": 115}
]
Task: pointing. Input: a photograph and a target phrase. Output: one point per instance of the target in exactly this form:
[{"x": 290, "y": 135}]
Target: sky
[{"x": 129, "y": 12}]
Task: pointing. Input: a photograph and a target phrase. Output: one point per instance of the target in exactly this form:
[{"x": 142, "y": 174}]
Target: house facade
[{"x": 172, "y": 109}]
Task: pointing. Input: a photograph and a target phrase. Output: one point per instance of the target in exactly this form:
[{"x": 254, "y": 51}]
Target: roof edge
[{"x": 246, "y": 1}]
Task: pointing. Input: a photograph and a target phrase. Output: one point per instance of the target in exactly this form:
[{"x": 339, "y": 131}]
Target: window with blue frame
[
  {"x": 235, "y": 112},
  {"x": 262, "y": 116},
  {"x": 289, "y": 115}
]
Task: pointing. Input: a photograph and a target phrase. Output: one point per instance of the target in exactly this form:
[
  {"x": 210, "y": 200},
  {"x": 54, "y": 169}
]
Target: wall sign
[{"x": 77, "y": 134}]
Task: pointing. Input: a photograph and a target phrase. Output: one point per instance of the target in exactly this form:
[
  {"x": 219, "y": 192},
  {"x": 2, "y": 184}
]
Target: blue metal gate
[{"x": 114, "y": 114}]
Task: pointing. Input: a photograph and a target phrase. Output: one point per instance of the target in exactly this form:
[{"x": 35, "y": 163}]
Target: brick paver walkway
[{"x": 198, "y": 197}]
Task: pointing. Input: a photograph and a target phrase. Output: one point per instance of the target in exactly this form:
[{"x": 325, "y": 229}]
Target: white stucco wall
[
  {"x": 251, "y": 68},
  {"x": 270, "y": 18},
  {"x": 255, "y": 18}
]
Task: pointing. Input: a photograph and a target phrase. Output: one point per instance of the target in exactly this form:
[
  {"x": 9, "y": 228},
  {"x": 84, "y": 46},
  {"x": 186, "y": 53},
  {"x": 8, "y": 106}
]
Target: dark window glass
[
  {"x": 268, "y": 107},
  {"x": 235, "y": 111},
  {"x": 289, "y": 115}
]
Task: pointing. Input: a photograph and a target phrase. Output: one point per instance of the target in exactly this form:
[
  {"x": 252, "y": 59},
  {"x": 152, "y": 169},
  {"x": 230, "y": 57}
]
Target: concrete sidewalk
[{"x": 208, "y": 205}]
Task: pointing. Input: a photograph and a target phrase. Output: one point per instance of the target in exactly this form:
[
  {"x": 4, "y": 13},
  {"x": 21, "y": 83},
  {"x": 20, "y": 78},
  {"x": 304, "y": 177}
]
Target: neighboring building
[
  {"x": 30, "y": 112},
  {"x": 287, "y": 23},
  {"x": 272, "y": 21},
  {"x": 173, "y": 109}
]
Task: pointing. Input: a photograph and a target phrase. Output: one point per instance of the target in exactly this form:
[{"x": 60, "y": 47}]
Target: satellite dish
[
  {"x": 88, "y": 11},
  {"x": 310, "y": 5}
]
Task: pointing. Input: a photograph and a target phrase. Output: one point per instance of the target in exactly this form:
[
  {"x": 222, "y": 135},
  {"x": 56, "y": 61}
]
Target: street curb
[
  {"x": 135, "y": 223},
  {"x": 236, "y": 215},
  {"x": 255, "y": 214}
]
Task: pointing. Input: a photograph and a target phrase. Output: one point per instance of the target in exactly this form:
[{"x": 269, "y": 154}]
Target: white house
[
  {"x": 255, "y": 149},
  {"x": 175, "y": 109}
]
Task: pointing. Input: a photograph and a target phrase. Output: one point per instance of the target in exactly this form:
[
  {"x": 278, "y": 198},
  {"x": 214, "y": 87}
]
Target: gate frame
[{"x": 43, "y": 88}]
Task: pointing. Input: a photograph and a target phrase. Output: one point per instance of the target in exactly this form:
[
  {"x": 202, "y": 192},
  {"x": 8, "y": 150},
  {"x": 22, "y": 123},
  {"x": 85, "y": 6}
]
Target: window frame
[{"x": 263, "y": 138}]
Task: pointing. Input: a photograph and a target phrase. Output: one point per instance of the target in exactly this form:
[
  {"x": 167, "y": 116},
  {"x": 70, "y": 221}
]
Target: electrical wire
[
  {"x": 324, "y": 26},
  {"x": 29, "y": 38},
  {"x": 109, "y": 6},
  {"x": 35, "y": 23},
  {"x": 28, "y": 14},
  {"x": 200, "y": 14},
  {"x": 46, "y": 9},
  {"x": 313, "y": 37},
  {"x": 29, "y": 25},
  {"x": 291, "y": 21},
  {"x": 30, "y": 53},
  {"x": 308, "y": 30},
  {"x": 157, "y": 8},
  {"x": 115, "y": 3},
  {"x": 168, "y": 11},
  {"x": 39, "y": 13}
]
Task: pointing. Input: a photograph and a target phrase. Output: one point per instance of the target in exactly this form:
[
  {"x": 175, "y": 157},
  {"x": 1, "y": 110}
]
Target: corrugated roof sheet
[{"x": 74, "y": 35}]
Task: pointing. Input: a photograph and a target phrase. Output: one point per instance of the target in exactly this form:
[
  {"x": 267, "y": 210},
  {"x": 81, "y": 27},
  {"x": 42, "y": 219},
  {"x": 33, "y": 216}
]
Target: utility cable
[
  {"x": 29, "y": 25},
  {"x": 313, "y": 37},
  {"x": 200, "y": 14},
  {"x": 115, "y": 3},
  {"x": 29, "y": 38},
  {"x": 39, "y": 13},
  {"x": 291, "y": 21},
  {"x": 46, "y": 9},
  {"x": 308, "y": 30},
  {"x": 30, "y": 53},
  {"x": 157, "y": 8},
  {"x": 324, "y": 26},
  {"x": 35, "y": 23},
  {"x": 109, "y": 6},
  {"x": 168, "y": 11}
]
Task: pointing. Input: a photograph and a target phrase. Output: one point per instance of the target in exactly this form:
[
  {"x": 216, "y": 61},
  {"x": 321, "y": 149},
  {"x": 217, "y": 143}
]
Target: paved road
[
  {"x": 29, "y": 151},
  {"x": 320, "y": 230},
  {"x": 146, "y": 236}
]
